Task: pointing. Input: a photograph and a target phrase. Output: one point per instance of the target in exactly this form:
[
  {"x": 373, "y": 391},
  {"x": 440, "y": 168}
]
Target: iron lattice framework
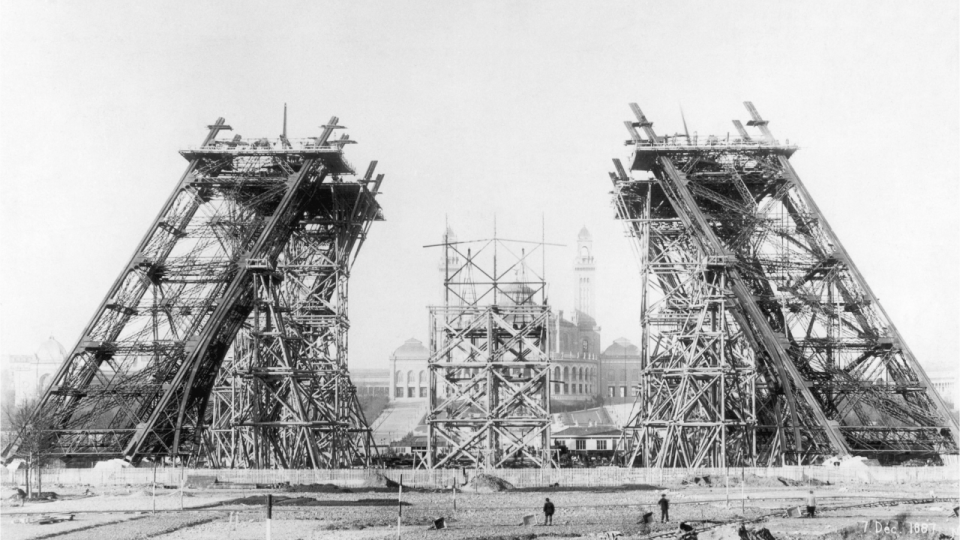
[
  {"x": 489, "y": 392},
  {"x": 284, "y": 397},
  {"x": 762, "y": 344},
  {"x": 251, "y": 253}
]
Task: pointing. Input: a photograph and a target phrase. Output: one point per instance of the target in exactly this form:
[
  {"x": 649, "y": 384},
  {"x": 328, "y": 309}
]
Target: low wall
[{"x": 609, "y": 476}]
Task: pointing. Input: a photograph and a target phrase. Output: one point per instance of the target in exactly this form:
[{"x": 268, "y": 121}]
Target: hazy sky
[{"x": 473, "y": 109}]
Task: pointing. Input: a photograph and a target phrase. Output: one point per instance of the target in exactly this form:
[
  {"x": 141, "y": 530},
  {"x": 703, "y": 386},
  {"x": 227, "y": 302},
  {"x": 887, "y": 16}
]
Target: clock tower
[{"x": 584, "y": 271}]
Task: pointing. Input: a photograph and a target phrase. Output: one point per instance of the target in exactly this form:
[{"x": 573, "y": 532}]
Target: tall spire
[{"x": 584, "y": 272}]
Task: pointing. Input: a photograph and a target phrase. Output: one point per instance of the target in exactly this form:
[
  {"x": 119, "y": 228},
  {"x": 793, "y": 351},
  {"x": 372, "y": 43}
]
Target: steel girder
[
  {"x": 489, "y": 366},
  {"x": 136, "y": 384},
  {"x": 743, "y": 276}
]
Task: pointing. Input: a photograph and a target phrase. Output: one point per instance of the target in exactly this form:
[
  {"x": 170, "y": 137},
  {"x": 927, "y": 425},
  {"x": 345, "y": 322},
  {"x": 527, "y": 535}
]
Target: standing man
[
  {"x": 811, "y": 505},
  {"x": 664, "y": 508},
  {"x": 548, "y": 512}
]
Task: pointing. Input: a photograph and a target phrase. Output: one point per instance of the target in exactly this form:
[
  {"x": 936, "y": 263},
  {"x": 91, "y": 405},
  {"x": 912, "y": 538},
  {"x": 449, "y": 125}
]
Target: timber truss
[
  {"x": 489, "y": 363},
  {"x": 247, "y": 261},
  {"x": 762, "y": 344}
]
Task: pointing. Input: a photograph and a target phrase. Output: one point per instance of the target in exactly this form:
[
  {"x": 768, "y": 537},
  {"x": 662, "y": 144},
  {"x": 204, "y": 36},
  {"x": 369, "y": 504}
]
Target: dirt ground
[{"x": 210, "y": 514}]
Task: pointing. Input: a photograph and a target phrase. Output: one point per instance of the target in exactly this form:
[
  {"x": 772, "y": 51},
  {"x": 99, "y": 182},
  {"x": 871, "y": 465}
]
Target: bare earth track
[{"x": 372, "y": 513}]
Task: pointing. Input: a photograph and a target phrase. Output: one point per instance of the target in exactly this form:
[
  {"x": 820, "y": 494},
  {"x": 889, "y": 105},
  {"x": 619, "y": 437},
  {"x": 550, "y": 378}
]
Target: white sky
[{"x": 473, "y": 109}]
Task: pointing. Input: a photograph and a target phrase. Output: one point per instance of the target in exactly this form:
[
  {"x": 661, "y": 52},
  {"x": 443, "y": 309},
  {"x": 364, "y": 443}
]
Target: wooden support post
[
  {"x": 726, "y": 479},
  {"x": 183, "y": 482},
  {"x": 743, "y": 497},
  {"x": 269, "y": 514},
  {"x": 154, "y": 498},
  {"x": 399, "y": 506}
]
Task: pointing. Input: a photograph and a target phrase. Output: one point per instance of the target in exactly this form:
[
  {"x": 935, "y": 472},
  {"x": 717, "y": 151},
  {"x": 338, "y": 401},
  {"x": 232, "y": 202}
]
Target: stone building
[
  {"x": 408, "y": 371},
  {"x": 620, "y": 372},
  {"x": 25, "y": 376},
  {"x": 371, "y": 382}
]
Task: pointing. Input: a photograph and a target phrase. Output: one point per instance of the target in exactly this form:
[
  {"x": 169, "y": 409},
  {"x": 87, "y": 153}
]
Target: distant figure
[
  {"x": 664, "y": 508},
  {"x": 811, "y": 505},
  {"x": 548, "y": 513},
  {"x": 20, "y": 496}
]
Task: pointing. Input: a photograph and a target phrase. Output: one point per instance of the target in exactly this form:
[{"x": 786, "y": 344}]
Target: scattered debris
[
  {"x": 755, "y": 534},
  {"x": 697, "y": 481},
  {"x": 805, "y": 482},
  {"x": 44, "y": 519},
  {"x": 686, "y": 532}
]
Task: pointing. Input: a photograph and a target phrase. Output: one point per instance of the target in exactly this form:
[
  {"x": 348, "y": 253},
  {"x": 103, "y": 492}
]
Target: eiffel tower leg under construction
[
  {"x": 252, "y": 253},
  {"x": 762, "y": 344}
]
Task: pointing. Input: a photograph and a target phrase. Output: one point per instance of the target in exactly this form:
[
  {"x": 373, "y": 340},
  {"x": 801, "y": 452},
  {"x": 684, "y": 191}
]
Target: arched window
[
  {"x": 410, "y": 379},
  {"x": 566, "y": 374},
  {"x": 556, "y": 373},
  {"x": 422, "y": 378}
]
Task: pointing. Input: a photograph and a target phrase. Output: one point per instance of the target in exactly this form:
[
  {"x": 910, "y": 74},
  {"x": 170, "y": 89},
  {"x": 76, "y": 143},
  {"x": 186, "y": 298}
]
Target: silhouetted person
[
  {"x": 548, "y": 513},
  {"x": 664, "y": 508},
  {"x": 811, "y": 505}
]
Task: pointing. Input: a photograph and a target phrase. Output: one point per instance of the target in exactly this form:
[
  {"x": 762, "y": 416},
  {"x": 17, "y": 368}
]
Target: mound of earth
[
  {"x": 486, "y": 483},
  {"x": 377, "y": 480},
  {"x": 12, "y": 495},
  {"x": 705, "y": 480},
  {"x": 140, "y": 493},
  {"x": 317, "y": 488},
  {"x": 757, "y": 481}
]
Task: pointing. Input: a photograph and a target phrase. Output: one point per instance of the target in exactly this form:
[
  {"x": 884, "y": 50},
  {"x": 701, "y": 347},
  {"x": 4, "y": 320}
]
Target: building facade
[
  {"x": 575, "y": 343},
  {"x": 620, "y": 372},
  {"x": 371, "y": 382},
  {"x": 409, "y": 378},
  {"x": 945, "y": 382},
  {"x": 26, "y": 376}
]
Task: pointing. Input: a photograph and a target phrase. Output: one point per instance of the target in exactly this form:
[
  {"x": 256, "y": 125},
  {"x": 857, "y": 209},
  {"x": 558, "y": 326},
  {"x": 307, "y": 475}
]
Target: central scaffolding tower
[{"x": 489, "y": 391}]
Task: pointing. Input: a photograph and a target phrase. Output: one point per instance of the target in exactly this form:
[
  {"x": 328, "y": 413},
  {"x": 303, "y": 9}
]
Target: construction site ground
[{"x": 923, "y": 510}]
